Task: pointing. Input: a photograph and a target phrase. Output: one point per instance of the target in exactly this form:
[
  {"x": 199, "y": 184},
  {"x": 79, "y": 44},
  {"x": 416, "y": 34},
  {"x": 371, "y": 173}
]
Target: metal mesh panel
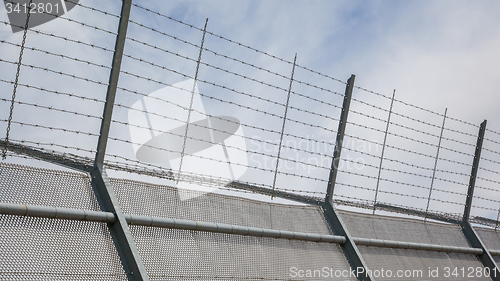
[
  {"x": 490, "y": 238},
  {"x": 36, "y": 186},
  {"x": 49, "y": 249},
  {"x": 157, "y": 200},
  {"x": 415, "y": 264},
  {"x": 398, "y": 229},
  {"x": 189, "y": 255}
]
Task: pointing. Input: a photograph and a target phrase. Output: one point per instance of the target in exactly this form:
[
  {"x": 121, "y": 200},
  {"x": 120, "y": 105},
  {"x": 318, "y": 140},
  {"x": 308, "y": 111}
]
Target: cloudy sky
[{"x": 436, "y": 54}]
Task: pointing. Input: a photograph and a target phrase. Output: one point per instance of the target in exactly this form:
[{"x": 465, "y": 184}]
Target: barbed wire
[
  {"x": 410, "y": 151},
  {"x": 92, "y": 45},
  {"x": 404, "y": 163},
  {"x": 234, "y": 59},
  {"x": 490, "y": 160},
  {"x": 411, "y": 139},
  {"x": 243, "y": 106},
  {"x": 217, "y": 160},
  {"x": 221, "y": 86},
  {"x": 128, "y": 164},
  {"x": 227, "y": 146},
  {"x": 492, "y": 131},
  {"x": 486, "y": 188},
  {"x": 417, "y": 107},
  {"x": 490, "y": 150},
  {"x": 41, "y": 144},
  {"x": 217, "y": 130},
  {"x": 78, "y": 3},
  {"x": 489, "y": 170},
  {"x": 394, "y": 193},
  {"x": 57, "y": 72},
  {"x": 57, "y": 55},
  {"x": 53, "y": 108},
  {"x": 414, "y": 119},
  {"x": 239, "y": 44},
  {"x": 54, "y": 92},
  {"x": 52, "y": 128},
  {"x": 409, "y": 173}
]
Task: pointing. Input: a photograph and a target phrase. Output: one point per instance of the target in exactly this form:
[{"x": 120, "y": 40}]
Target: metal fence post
[
  {"x": 350, "y": 248},
  {"x": 335, "y": 222},
  {"x": 467, "y": 229},
  {"x": 283, "y": 127},
  {"x": 340, "y": 138},
  {"x": 119, "y": 230},
  {"x": 475, "y": 165}
]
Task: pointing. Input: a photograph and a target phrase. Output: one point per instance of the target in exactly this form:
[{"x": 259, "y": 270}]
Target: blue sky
[{"x": 436, "y": 54}]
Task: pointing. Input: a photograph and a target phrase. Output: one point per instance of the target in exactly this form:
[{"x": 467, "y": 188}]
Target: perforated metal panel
[
  {"x": 53, "y": 249},
  {"x": 190, "y": 255},
  {"x": 413, "y": 262},
  {"x": 158, "y": 200},
  {"x": 490, "y": 237},
  {"x": 399, "y": 229},
  {"x": 36, "y": 186},
  {"x": 49, "y": 249},
  {"x": 416, "y": 264}
]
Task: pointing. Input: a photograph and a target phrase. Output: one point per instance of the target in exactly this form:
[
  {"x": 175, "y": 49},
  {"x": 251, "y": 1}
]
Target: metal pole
[
  {"x": 113, "y": 81},
  {"x": 467, "y": 229},
  {"x": 350, "y": 249},
  {"x": 119, "y": 230},
  {"x": 435, "y": 165},
  {"x": 383, "y": 150},
  {"x": 476, "y": 242},
  {"x": 283, "y": 127},
  {"x": 475, "y": 165},
  {"x": 340, "y": 138}
]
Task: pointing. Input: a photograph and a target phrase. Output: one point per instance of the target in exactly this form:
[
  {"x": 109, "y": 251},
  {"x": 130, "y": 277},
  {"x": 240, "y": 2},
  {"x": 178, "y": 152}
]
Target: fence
[{"x": 232, "y": 119}]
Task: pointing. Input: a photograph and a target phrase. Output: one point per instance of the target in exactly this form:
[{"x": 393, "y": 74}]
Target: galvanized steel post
[
  {"x": 350, "y": 249},
  {"x": 119, "y": 230},
  {"x": 340, "y": 138},
  {"x": 475, "y": 165},
  {"x": 467, "y": 229}
]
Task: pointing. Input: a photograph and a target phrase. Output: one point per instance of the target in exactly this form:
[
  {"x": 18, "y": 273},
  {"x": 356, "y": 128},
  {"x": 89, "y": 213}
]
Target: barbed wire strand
[{"x": 54, "y": 91}]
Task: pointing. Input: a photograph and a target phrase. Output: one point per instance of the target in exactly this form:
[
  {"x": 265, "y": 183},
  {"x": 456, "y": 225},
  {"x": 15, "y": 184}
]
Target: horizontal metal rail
[
  {"x": 84, "y": 215},
  {"x": 108, "y": 217},
  {"x": 415, "y": 246},
  {"x": 230, "y": 229},
  {"x": 56, "y": 213}
]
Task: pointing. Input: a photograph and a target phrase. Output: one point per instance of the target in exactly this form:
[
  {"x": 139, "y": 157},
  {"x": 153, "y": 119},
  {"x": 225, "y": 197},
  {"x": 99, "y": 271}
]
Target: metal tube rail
[
  {"x": 415, "y": 246},
  {"x": 108, "y": 217},
  {"x": 56, "y": 213},
  {"x": 230, "y": 229}
]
